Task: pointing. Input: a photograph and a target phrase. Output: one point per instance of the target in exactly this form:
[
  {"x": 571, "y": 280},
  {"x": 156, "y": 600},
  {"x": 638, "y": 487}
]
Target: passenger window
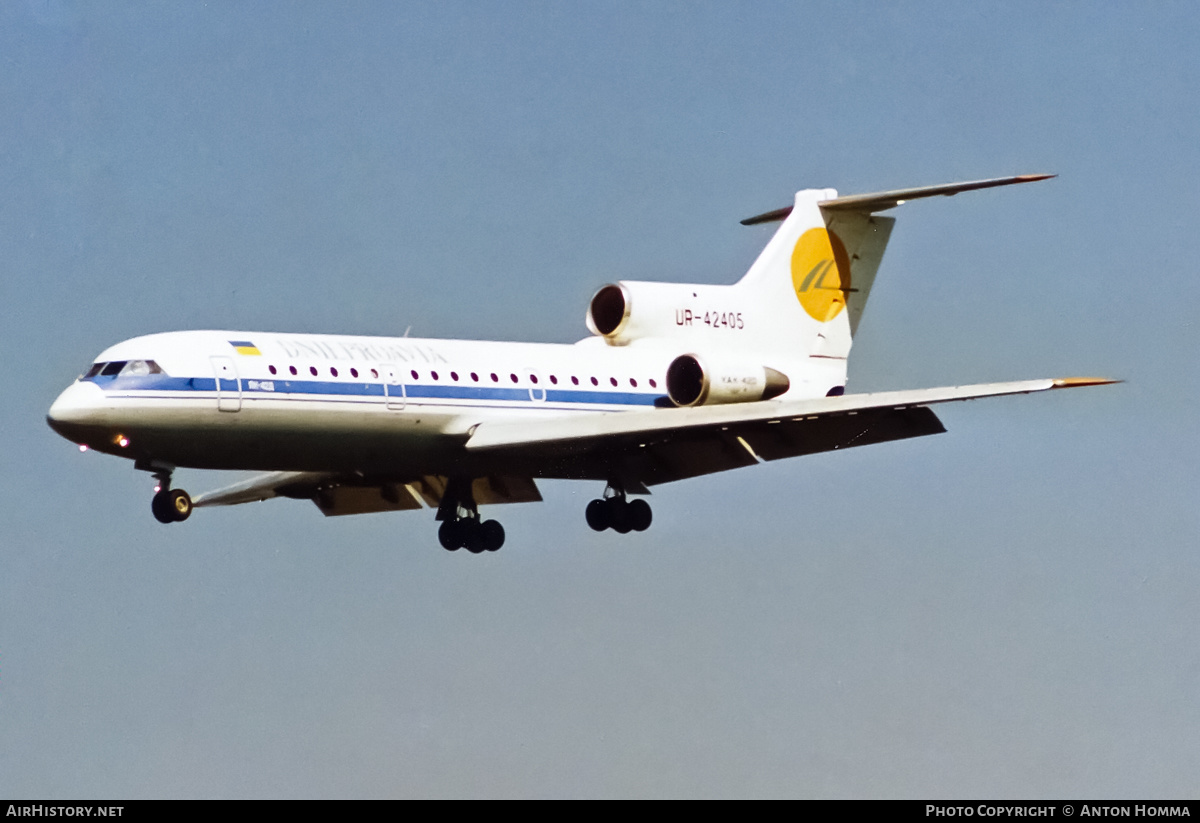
[
  {"x": 633, "y": 382},
  {"x": 474, "y": 377},
  {"x": 313, "y": 370},
  {"x": 433, "y": 374},
  {"x": 292, "y": 369},
  {"x": 574, "y": 380},
  {"x": 595, "y": 382},
  {"x": 653, "y": 383},
  {"x": 514, "y": 378},
  {"x": 353, "y": 372},
  {"x": 333, "y": 371},
  {"x": 272, "y": 370},
  {"x": 554, "y": 380},
  {"x": 495, "y": 379},
  {"x": 612, "y": 380},
  {"x": 454, "y": 376}
]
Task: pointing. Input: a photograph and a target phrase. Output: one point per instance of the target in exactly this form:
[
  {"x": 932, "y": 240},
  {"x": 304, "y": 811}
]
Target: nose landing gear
[
  {"x": 169, "y": 505},
  {"x": 614, "y": 511}
]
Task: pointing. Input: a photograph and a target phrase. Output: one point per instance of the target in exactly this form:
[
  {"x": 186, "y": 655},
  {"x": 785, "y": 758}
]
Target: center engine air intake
[{"x": 707, "y": 381}]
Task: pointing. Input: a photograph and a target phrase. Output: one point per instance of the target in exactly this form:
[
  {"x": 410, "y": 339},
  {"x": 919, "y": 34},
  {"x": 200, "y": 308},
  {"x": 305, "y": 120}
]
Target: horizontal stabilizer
[{"x": 880, "y": 201}]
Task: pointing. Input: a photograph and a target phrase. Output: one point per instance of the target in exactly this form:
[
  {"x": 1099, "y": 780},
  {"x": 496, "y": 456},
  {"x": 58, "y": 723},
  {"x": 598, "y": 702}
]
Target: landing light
[
  {"x": 122, "y": 440},
  {"x": 83, "y": 447}
]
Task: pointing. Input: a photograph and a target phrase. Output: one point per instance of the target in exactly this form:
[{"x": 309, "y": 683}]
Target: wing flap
[
  {"x": 793, "y": 439},
  {"x": 335, "y": 501}
]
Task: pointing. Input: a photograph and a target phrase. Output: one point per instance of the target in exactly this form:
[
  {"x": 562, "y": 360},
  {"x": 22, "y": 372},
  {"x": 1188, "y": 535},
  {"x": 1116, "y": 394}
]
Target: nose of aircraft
[{"x": 75, "y": 408}]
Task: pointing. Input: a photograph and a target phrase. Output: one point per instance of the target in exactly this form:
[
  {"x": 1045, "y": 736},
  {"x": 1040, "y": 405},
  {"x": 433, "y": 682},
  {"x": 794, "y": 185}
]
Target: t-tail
[
  {"x": 795, "y": 312},
  {"x": 814, "y": 276}
]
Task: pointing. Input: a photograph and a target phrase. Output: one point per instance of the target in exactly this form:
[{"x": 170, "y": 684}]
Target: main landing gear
[
  {"x": 461, "y": 525},
  {"x": 169, "y": 505},
  {"x": 614, "y": 512}
]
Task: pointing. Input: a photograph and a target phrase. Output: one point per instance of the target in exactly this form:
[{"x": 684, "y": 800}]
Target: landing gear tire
[
  {"x": 171, "y": 506},
  {"x": 461, "y": 526},
  {"x": 180, "y": 504},
  {"x": 474, "y": 539},
  {"x": 467, "y": 533},
  {"x": 160, "y": 506},
  {"x": 492, "y": 535},
  {"x": 640, "y": 515},
  {"x": 597, "y": 515},
  {"x": 618, "y": 515},
  {"x": 450, "y": 535}
]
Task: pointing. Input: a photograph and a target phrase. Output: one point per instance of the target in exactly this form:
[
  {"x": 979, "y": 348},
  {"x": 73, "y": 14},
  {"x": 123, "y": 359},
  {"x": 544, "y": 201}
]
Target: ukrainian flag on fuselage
[{"x": 245, "y": 347}]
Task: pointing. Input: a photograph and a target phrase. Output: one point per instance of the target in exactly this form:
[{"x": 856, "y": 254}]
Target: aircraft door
[
  {"x": 229, "y": 385},
  {"x": 393, "y": 386},
  {"x": 537, "y": 388}
]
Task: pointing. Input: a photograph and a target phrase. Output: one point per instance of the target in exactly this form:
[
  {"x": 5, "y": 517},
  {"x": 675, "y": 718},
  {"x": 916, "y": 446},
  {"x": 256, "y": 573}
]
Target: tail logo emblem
[{"x": 821, "y": 274}]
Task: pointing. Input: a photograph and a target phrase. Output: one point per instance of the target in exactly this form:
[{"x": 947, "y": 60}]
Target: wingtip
[
  {"x": 1072, "y": 382},
  {"x": 1030, "y": 178}
]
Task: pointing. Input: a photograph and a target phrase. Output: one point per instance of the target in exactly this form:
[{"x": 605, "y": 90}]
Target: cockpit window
[
  {"x": 134, "y": 367},
  {"x": 124, "y": 367}
]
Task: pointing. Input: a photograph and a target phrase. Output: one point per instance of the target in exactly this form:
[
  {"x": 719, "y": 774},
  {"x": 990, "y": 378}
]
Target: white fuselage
[{"x": 302, "y": 402}]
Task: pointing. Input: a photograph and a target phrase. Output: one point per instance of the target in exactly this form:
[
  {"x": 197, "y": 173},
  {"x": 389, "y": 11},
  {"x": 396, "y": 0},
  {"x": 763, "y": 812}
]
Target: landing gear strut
[
  {"x": 461, "y": 526},
  {"x": 169, "y": 505},
  {"x": 614, "y": 511}
]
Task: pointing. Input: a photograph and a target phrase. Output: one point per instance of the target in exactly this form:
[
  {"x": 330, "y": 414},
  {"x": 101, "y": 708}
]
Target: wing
[
  {"x": 338, "y": 494},
  {"x": 662, "y": 445}
]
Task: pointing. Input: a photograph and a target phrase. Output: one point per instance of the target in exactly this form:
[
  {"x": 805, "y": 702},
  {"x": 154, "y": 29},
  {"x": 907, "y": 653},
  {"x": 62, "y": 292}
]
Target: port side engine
[{"x": 710, "y": 379}]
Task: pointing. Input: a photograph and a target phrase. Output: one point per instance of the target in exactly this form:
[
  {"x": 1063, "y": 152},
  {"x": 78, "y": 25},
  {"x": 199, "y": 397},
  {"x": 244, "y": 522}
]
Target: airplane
[{"x": 677, "y": 381}]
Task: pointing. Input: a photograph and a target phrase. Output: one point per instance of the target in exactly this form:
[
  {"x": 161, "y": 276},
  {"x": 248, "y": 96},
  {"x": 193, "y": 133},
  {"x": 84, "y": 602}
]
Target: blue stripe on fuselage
[{"x": 162, "y": 382}]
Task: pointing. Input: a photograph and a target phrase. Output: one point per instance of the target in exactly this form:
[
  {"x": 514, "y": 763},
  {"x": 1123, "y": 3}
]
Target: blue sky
[{"x": 1006, "y": 610}]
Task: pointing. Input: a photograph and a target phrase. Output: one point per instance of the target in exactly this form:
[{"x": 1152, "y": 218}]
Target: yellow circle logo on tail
[{"x": 821, "y": 274}]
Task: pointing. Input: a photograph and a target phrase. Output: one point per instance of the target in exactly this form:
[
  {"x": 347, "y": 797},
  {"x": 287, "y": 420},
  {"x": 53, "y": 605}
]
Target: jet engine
[
  {"x": 695, "y": 380},
  {"x": 631, "y": 310}
]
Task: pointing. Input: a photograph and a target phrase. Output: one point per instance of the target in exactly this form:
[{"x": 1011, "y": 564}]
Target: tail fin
[{"x": 814, "y": 276}]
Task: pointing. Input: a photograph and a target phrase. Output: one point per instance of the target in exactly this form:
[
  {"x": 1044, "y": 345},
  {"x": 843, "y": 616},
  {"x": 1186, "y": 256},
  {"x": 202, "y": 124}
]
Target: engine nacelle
[
  {"x": 706, "y": 380},
  {"x": 631, "y": 310}
]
